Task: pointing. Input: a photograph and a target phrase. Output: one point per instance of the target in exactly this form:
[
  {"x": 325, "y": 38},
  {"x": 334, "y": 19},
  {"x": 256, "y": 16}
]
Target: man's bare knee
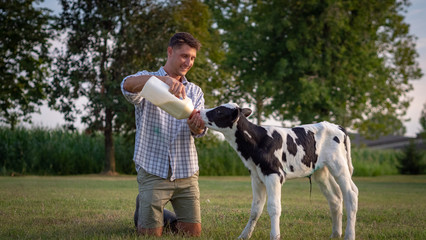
[{"x": 189, "y": 229}]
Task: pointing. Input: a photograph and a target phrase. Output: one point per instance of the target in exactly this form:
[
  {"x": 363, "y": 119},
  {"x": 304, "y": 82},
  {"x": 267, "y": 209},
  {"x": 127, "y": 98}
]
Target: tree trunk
[
  {"x": 259, "y": 109},
  {"x": 109, "y": 167}
]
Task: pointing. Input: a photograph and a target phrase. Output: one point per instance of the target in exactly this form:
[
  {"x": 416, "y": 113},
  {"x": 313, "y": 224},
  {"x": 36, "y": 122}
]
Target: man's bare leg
[
  {"x": 158, "y": 232},
  {"x": 189, "y": 229}
]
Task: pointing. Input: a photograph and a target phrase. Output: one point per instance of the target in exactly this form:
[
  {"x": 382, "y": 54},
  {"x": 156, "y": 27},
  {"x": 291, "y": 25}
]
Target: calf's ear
[{"x": 246, "y": 112}]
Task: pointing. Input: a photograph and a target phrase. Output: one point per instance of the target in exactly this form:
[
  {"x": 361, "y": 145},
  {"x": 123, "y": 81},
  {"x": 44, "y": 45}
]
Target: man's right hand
[{"x": 176, "y": 87}]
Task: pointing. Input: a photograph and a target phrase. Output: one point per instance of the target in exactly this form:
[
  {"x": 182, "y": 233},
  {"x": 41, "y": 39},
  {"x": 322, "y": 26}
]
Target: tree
[
  {"x": 108, "y": 40},
  {"x": 422, "y": 121},
  {"x": 349, "y": 62},
  {"x": 195, "y": 17},
  {"x": 411, "y": 160},
  {"x": 244, "y": 45},
  {"x": 24, "y": 59}
]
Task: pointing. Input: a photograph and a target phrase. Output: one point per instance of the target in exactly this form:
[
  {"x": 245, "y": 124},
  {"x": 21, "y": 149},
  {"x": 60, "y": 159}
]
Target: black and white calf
[{"x": 274, "y": 154}]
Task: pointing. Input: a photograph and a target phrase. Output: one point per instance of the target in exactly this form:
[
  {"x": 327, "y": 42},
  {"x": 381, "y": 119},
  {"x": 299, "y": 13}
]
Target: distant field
[{"x": 96, "y": 207}]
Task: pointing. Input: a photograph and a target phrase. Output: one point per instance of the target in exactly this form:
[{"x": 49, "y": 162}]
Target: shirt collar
[{"x": 162, "y": 71}]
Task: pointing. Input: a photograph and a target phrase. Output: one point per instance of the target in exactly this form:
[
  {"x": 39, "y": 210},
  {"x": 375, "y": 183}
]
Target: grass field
[{"x": 96, "y": 207}]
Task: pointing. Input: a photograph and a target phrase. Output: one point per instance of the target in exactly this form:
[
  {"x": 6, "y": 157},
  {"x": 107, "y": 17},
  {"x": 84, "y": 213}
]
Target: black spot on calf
[
  {"x": 336, "y": 139},
  {"x": 307, "y": 141},
  {"x": 254, "y": 142},
  {"x": 344, "y": 139},
  {"x": 343, "y": 130},
  {"x": 291, "y": 146}
]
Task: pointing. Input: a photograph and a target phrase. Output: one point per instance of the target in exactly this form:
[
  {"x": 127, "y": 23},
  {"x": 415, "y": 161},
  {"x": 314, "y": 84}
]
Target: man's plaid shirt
[{"x": 161, "y": 137}]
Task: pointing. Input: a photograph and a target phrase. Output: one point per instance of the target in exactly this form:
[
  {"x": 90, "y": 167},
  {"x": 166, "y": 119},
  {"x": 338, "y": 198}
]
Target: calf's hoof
[
  {"x": 244, "y": 236},
  {"x": 336, "y": 235},
  {"x": 277, "y": 237}
]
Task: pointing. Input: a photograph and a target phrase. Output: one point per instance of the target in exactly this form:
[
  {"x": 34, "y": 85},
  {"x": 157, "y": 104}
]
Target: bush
[
  {"x": 124, "y": 148},
  {"x": 411, "y": 160}
]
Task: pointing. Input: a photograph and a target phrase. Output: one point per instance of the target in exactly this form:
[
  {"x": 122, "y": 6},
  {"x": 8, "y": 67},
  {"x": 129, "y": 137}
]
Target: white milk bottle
[{"x": 157, "y": 92}]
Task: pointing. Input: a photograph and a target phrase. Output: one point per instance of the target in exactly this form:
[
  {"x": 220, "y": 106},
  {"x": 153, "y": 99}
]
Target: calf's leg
[
  {"x": 350, "y": 197},
  {"x": 332, "y": 193},
  {"x": 259, "y": 198},
  {"x": 273, "y": 189}
]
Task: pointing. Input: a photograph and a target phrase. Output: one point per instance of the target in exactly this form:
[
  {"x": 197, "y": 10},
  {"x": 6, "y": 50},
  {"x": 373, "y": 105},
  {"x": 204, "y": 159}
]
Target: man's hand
[
  {"x": 196, "y": 123},
  {"x": 176, "y": 87}
]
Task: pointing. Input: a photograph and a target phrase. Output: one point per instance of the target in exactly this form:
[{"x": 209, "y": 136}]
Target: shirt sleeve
[{"x": 134, "y": 98}]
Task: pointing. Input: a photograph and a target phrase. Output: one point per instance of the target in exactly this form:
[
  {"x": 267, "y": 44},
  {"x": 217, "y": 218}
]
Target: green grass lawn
[{"x": 96, "y": 207}]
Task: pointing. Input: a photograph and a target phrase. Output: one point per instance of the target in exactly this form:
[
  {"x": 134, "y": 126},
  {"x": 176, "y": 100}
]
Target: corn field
[{"x": 41, "y": 151}]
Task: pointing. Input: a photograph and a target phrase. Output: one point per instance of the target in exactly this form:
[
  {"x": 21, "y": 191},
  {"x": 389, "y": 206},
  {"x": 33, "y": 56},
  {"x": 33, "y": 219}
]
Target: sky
[{"x": 415, "y": 16}]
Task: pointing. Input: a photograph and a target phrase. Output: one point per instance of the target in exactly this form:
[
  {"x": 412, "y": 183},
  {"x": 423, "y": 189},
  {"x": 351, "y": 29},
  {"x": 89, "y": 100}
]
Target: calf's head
[{"x": 223, "y": 117}]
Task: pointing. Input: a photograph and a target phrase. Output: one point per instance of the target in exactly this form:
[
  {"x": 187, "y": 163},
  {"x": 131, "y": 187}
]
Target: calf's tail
[{"x": 348, "y": 154}]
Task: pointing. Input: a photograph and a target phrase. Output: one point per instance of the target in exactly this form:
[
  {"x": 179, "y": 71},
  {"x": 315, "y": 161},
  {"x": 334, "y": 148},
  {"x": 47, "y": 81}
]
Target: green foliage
[
  {"x": 412, "y": 160},
  {"x": 24, "y": 59},
  {"x": 349, "y": 62}
]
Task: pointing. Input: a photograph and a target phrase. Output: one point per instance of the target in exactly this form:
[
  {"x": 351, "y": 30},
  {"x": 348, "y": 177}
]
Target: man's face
[{"x": 181, "y": 59}]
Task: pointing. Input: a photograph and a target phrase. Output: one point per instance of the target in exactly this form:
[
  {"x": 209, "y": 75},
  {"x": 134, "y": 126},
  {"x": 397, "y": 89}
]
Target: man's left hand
[{"x": 196, "y": 123}]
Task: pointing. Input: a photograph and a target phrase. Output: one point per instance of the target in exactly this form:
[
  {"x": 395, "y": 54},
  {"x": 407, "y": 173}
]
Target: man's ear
[
  {"x": 246, "y": 112},
  {"x": 169, "y": 51}
]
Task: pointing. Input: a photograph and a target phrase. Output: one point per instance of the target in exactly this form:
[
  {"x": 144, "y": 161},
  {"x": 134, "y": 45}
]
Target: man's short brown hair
[{"x": 182, "y": 38}]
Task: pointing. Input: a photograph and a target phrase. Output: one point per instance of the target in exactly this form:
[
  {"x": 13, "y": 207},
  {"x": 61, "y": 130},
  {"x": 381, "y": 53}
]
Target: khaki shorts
[{"x": 156, "y": 192}]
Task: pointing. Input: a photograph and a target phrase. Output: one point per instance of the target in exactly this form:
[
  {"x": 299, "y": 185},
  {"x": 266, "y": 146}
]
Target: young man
[{"x": 165, "y": 155}]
